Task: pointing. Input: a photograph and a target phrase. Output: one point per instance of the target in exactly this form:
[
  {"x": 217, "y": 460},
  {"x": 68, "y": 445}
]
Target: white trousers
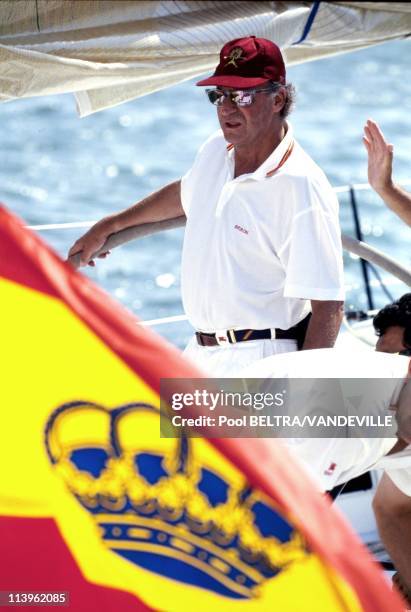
[{"x": 226, "y": 361}]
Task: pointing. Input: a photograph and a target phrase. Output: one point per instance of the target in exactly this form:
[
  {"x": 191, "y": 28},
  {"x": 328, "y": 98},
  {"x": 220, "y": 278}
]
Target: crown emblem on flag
[{"x": 160, "y": 508}]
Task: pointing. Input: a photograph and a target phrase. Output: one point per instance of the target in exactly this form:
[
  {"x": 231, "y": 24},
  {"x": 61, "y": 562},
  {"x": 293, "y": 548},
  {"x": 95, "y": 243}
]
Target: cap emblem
[{"x": 235, "y": 55}]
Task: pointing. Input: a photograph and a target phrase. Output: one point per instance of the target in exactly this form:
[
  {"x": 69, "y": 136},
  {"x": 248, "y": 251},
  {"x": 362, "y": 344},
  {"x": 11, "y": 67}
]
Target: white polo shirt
[
  {"x": 258, "y": 247},
  {"x": 333, "y": 461}
]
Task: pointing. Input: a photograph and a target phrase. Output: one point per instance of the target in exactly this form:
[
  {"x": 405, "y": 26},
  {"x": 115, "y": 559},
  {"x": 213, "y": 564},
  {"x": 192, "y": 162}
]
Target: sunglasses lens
[
  {"x": 243, "y": 98},
  {"x": 239, "y": 97},
  {"x": 216, "y": 97}
]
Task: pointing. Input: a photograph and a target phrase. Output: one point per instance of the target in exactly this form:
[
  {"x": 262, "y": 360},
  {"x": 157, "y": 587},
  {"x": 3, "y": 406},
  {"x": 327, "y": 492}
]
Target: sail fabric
[
  {"x": 95, "y": 503},
  {"x": 107, "y": 52}
]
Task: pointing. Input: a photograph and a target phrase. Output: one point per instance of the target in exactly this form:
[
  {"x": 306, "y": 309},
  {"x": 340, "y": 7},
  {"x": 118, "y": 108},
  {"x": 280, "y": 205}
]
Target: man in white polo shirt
[
  {"x": 262, "y": 247},
  {"x": 270, "y": 250}
]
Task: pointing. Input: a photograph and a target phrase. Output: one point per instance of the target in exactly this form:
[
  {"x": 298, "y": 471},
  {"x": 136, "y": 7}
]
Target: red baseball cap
[{"x": 248, "y": 62}]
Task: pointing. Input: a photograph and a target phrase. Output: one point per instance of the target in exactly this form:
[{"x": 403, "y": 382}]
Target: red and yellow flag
[{"x": 93, "y": 502}]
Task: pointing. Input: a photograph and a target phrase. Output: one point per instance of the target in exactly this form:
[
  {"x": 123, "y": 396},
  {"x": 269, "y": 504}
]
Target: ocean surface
[{"x": 57, "y": 168}]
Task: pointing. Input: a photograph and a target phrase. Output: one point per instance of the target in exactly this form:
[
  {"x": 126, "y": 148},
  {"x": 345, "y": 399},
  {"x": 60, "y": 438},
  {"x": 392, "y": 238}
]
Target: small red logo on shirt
[
  {"x": 329, "y": 471},
  {"x": 240, "y": 229}
]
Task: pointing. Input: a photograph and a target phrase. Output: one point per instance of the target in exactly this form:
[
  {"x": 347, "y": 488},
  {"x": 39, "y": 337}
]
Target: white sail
[{"x": 108, "y": 52}]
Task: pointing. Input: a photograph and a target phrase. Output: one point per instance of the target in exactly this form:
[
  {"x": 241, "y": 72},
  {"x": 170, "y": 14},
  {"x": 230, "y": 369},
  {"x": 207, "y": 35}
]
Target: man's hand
[
  {"x": 159, "y": 206},
  {"x": 380, "y": 155},
  {"x": 91, "y": 242}
]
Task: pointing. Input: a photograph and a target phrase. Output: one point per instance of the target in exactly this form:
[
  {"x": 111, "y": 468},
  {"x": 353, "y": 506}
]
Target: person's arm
[
  {"x": 312, "y": 259},
  {"x": 159, "y": 206},
  {"x": 380, "y": 155},
  {"x": 403, "y": 413},
  {"x": 392, "y": 510},
  {"x": 324, "y": 324}
]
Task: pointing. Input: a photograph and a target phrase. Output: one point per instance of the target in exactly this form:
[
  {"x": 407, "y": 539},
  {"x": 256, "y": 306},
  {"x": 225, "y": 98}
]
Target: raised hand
[{"x": 380, "y": 155}]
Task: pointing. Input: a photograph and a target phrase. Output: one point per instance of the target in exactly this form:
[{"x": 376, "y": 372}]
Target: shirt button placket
[{"x": 225, "y": 195}]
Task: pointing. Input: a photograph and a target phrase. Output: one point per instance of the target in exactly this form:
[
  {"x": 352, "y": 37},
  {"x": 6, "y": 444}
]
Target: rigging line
[
  {"x": 310, "y": 21},
  {"x": 382, "y": 284},
  {"x": 37, "y": 16},
  {"x": 359, "y": 236}
]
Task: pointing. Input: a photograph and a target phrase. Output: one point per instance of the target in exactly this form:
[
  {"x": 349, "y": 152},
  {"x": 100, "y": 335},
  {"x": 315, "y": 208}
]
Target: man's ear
[{"x": 279, "y": 99}]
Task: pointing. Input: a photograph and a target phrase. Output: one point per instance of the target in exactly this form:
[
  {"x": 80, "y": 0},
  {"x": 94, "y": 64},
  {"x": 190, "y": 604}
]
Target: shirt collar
[{"x": 274, "y": 161}]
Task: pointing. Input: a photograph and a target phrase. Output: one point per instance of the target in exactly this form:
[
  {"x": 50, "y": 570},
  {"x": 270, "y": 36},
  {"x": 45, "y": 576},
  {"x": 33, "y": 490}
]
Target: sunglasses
[{"x": 238, "y": 97}]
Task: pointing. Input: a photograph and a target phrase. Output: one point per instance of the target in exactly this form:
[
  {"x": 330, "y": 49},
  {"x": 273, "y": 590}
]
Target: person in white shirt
[
  {"x": 392, "y": 507},
  {"x": 262, "y": 247},
  {"x": 392, "y": 325},
  {"x": 334, "y": 461}
]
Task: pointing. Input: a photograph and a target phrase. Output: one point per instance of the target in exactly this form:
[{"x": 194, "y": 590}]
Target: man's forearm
[
  {"x": 158, "y": 206},
  {"x": 396, "y": 535},
  {"x": 393, "y": 514},
  {"x": 324, "y": 324},
  {"x": 397, "y": 199},
  {"x": 403, "y": 413}
]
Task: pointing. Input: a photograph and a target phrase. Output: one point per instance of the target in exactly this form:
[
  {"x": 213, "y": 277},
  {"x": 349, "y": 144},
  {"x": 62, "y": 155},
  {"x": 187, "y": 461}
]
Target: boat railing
[{"x": 369, "y": 256}]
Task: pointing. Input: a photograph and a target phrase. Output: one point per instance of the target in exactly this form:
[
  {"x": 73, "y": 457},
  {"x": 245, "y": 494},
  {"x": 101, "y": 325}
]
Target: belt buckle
[
  {"x": 221, "y": 337},
  {"x": 199, "y": 338},
  {"x": 231, "y": 334}
]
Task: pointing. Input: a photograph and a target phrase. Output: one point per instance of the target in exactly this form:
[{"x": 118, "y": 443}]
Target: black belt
[
  {"x": 244, "y": 335},
  {"x": 232, "y": 336}
]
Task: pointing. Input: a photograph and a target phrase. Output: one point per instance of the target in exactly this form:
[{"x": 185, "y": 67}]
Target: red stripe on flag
[
  {"x": 20, "y": 255},
  {"x": 38, "y": 560}
]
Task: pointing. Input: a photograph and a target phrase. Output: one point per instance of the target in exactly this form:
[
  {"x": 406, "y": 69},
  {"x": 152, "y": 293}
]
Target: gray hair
[{"x": 289, "y": 100}]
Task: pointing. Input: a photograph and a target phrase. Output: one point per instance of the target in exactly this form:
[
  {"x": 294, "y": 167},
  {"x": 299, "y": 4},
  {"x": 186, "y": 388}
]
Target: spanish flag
[{"x": 94, "y": 503}]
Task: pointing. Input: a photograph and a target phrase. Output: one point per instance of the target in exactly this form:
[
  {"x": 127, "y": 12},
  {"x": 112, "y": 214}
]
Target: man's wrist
[
  {"x": 111, "y": 225},
  {"x": 385, "y": 190}
]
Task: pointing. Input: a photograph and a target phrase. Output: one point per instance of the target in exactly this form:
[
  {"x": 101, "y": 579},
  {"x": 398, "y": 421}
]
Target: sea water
[{"x": 57, "y": 168}]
